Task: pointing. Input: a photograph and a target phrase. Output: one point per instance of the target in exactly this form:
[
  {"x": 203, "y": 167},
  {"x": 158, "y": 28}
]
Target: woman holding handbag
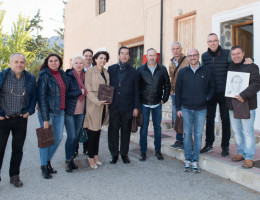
[
  {"x": 51, "y": 93},
  {"x": 96, "y": 110},
  {"x": 75, "y": 108}
]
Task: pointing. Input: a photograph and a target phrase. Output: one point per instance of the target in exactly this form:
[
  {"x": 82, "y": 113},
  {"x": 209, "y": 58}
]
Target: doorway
[{"x": 242, "y": 35}]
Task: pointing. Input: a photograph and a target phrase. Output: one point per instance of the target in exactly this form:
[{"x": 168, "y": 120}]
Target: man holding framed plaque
[{"x": 242, "y": 125}]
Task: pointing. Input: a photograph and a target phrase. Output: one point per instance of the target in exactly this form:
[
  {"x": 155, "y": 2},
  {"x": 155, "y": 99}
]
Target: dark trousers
[
  {"x": 18, "y": 126},
  {"x": 93, "y": 142},
  {"x": 119, "y": 120},
  {"x": 210, "y": 124}
]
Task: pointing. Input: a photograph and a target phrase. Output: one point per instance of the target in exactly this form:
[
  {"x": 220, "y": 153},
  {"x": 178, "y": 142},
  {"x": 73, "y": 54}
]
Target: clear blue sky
[{"x": 49, "y": 9}]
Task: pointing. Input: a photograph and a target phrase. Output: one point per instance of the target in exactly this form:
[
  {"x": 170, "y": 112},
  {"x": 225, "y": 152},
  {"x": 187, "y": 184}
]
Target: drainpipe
[{"x": 161, "y": 33}]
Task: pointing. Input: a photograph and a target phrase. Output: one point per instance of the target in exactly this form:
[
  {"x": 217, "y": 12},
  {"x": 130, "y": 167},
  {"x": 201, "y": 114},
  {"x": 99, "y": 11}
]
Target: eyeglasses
[
  {"x": 212, "y": 41},
  {"x": 19, "y": 95},
  {"x": 194, "y": 56}
]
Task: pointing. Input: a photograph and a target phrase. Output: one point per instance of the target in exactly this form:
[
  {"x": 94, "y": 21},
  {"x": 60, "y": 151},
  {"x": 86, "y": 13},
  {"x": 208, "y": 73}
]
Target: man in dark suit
[{"x": 125, "y": 105}]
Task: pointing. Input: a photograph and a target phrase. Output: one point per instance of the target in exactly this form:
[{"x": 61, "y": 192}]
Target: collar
[
  {"x": 217, "y": 52},
  {"x": 194, "y": 70},
  {"x": 13, "y": 74}
]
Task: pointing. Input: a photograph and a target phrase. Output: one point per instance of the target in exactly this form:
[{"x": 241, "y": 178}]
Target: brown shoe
[
  {"x": 15, "y": 180},
  {"x": 237, "y": 158},
  {"x": 248, "y": 164}
]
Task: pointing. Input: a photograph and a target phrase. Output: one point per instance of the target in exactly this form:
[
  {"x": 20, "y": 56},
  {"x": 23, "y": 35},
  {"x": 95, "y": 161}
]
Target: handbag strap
[{"x": 179, "y": 64}]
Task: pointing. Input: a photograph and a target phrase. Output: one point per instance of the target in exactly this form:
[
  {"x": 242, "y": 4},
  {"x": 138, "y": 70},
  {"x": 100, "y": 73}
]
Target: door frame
[{"x": 235, "y": 29}]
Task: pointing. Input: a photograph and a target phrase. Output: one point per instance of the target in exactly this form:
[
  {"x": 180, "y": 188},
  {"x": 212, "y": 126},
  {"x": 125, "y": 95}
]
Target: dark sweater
[
  {"x": 193, "y": 90},
  {"x": 218, "y": 62},
  {"x": 250, "y": 93}
]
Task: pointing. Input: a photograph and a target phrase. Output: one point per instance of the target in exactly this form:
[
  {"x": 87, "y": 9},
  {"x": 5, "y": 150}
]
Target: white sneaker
[
  {"x": 187, "y": 165},
  {"x": 195, "y": 166}
]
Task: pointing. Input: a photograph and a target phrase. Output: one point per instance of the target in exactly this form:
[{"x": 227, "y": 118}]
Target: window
[
  {"x": 136, "y": 55},
  {"x": 102, "y": 6}
]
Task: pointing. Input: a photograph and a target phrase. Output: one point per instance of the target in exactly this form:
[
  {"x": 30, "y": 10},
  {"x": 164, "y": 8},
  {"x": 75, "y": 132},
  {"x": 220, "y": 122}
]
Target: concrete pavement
[{"x": 151, "y": 179}]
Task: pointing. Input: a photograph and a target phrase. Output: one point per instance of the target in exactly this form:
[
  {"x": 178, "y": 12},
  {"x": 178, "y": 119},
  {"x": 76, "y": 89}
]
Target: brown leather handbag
[
  {"x": 178, "y": 124},
  {"x": 240, "y": 110},
  {"x": 45, "y": 137},
  {"x": 105, "y": 93}
]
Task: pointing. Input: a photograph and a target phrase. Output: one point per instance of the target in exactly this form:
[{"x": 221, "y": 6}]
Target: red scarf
[{"x": 80, "y": 79}]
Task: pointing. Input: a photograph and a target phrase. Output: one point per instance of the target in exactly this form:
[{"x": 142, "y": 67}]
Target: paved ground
[{"x": 151, "y": 179}]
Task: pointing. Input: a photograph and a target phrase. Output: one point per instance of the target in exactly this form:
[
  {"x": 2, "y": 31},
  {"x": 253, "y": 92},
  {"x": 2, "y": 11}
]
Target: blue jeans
[
  {"x": 73, "y": 124},
  {"x": 193, "y": 120},
  {"x": 179, "y": 136},
  {"x": 57, "y": 122},
  {"x": 244, "y": 134},
  {"x": 157, "y": 118}
]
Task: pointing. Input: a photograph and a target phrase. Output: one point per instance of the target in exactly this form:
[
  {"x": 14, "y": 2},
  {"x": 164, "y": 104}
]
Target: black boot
[
  {"x": 73, "y": 164},
  {"x": 45, "y": 172},
  {"x": 68, "y": 166},
  {"x": 51, "y": 170}
]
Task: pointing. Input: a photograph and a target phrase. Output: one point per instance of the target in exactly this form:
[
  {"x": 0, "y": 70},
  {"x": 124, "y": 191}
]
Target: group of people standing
[{"x": 70, "y": 99}]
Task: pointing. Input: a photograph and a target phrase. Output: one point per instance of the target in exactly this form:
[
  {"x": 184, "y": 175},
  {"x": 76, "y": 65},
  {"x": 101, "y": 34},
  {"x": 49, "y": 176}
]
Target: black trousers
[
  {"x": 93, "y": 142},
  {"x": 119, "y": 120},
  {"x": 18, "y": 126},
  {"x": 210, "y": 124}
]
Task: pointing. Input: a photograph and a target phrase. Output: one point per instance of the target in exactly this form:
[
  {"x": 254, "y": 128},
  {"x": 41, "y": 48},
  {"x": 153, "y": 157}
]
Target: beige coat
[
  {"x": 94, "y": 107},
  {"x": 172, "y": 68}
]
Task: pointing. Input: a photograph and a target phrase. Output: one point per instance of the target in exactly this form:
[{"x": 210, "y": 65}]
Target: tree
[
  {"x": 4, "y": 59},
  {"x": 17, "y": 41}
]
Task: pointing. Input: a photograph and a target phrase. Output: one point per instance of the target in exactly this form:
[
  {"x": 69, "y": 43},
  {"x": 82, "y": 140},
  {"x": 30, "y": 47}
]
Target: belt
[{"x": 14, "y": 116}]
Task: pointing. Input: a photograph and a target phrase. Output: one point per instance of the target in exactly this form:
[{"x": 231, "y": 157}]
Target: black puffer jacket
[
  {"x": 153, "y": 88},
  {"x": 250, "y": 93},
  {"x": 48, "y": 93},
  {"x": 218, "y": 63},
  {"x": 73, "y": 93}
]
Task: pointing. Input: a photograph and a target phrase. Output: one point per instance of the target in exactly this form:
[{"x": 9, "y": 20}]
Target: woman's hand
[
  {"x": 46, "y": 124},
  {"x": 105, "y": 103},
  {"x": 82, "y": 91}
]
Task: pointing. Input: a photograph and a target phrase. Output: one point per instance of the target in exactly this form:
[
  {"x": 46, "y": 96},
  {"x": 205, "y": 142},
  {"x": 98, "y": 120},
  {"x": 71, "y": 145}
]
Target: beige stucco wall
[{"x": 127, "y": 19}]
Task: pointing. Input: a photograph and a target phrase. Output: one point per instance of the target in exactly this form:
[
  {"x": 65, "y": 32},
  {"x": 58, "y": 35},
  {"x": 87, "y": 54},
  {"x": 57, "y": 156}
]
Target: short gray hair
[
  {"x": 177, "y": 42},
  {"x": 76, "y": 57},
  {"x": 15, "y": 54}
]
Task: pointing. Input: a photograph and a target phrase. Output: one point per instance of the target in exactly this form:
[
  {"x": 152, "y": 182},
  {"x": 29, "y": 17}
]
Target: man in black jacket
[
  {"x": 125, "y": 105},
  {"x": 244, "y": 127},
  {"x": 218, "y": 60},
  {"x": 154, "y": 91},
  {"x": 193, "y": 89}
]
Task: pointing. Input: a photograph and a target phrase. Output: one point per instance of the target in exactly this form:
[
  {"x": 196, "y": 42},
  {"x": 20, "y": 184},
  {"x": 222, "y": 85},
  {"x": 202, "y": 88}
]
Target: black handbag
[{"x": 83, "y": 137}]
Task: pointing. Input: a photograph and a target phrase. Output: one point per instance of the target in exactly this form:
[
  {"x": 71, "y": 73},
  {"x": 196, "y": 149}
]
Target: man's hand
[
  {"x": 248, "y": 61},
  {"x": 25, "y": 115},
  {"x": 179, "y": 113},
  {"x": 2, "y": 118},
  {"x": 171, "y": 93},
  {"x": 46, "y": 124},
  {"x": 239, "y": 98},
  {"x": 162, "y": 102},
  {"x": 135, "y": 112}
]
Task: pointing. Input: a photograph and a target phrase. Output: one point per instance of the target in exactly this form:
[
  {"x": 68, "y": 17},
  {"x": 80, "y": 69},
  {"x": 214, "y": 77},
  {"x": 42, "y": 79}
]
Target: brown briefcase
[
  {"x": 105, "y": 93},
  {"x": 178, "y": 124},
  {"x": 240, "y": 110},
  {"x": 134, "y": 126},
  {"x": 45, "y": 137}
]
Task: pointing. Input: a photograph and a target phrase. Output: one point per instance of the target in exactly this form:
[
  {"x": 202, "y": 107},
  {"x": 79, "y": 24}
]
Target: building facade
[{"x": 109, "y": 24}]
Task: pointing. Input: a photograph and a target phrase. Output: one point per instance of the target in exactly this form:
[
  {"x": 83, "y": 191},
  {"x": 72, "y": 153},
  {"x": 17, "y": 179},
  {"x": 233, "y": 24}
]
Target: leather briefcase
[
  {"x": 105, "y": 93},
  {"x": 240, "y": 110},
  {"x": 178, "y": 125},
  {"x": 134, "y": 126},
  {"x": 45, "y": 137},
  {"x": 139, "y": 119}
]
